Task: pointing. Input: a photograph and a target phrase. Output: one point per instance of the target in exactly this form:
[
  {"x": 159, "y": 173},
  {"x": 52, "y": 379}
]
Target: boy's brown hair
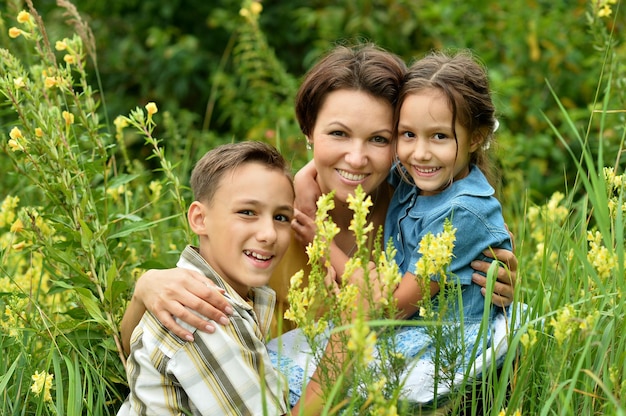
[{"x": 209, "y": 170}]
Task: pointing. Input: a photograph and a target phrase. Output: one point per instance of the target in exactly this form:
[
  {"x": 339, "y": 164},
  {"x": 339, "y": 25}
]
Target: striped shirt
[{"x": 227, "y": 372}]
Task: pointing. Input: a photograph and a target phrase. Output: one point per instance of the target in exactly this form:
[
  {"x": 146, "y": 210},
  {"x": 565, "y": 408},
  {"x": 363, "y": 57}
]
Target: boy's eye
[{"x": 282, "y": 218}]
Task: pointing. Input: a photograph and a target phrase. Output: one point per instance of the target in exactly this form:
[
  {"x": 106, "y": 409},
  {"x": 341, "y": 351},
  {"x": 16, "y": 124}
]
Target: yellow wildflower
[
  {"x": 50, "y": 82},
  {"x": 155, "y": 189},
  {"x": 38, "y": 132},
  {"x": 69, "y": 59},
  {"x": 42, "y": 382},
  {"x": 23, "y": 16},
  {"x": 151, "y": 108},
  {"x": 19, "y": 246},
  {"x": 436, "y": 251},
  {"x": 14, "y": 32},
  {"x": 17, "y": 226},
  {"x": 565, "y": 324},
  {"x": 60, "y": 45},
  {"x": 16, "y": 133},
  {"x": 68, "y": 117},
  {"x": 256, "y": 8},
  {"x": 19, "y": 82},
  {"x": 529, "y": 338}
]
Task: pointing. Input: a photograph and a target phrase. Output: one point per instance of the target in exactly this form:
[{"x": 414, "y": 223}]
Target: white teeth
[
  {"x": 431, "y": 170},
  {"x": 256, "y": 255},
  {"x": 351, "y": 176}
]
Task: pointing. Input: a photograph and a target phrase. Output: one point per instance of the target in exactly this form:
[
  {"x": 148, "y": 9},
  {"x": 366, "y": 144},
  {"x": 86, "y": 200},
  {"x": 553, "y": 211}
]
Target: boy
[{"x": 242, "y": 211}]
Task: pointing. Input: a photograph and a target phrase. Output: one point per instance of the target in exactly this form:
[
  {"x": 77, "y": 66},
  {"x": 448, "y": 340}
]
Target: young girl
[{"x": 445, "y": 123}]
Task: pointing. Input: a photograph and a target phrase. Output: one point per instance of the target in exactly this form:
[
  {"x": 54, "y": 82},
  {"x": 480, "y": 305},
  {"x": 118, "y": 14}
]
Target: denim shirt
[{"x": 473, "y": 210}]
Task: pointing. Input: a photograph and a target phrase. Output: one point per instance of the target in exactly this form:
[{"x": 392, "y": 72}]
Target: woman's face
[{"x": 352, "y": 142}]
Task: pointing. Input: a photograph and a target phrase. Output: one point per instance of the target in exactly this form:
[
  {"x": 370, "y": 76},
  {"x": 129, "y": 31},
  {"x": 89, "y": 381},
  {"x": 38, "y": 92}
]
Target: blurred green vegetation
[{"x": 222, "y": 80}]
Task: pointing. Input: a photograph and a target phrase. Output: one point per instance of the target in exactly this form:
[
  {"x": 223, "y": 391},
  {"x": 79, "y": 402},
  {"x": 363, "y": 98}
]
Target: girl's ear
[
  {"x": 477, "y": 140},
  {"x": 195, "y": 216}
]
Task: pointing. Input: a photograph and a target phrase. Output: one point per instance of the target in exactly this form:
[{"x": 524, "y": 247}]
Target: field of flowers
[{"x": 85, "y": 214}]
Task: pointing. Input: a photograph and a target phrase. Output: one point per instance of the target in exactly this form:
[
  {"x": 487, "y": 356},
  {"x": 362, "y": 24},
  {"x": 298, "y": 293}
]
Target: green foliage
[{"x": 90, "y": 199}]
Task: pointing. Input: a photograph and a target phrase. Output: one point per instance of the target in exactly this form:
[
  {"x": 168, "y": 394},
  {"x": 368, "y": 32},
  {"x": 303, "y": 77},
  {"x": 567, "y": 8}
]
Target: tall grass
[{"x": 87, "y": 219}]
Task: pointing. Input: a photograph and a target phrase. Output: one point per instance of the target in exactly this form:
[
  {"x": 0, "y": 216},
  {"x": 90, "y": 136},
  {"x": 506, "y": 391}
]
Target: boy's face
[{"x": 245, "y": 230}]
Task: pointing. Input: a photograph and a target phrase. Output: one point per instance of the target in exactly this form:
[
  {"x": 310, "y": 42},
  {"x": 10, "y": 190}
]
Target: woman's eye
[
  {"x": 380, "y": 139},
  {"x": 246, "y": 212},
  {"x": 337, "y": 133}
]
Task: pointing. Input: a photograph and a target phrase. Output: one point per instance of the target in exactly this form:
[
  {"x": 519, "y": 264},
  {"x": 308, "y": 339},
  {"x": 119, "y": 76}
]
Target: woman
[{"x": 345, "y": 109}]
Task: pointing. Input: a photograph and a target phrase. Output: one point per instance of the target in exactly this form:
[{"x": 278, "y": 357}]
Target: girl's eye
[
  {"x": 408, "y": 134},
  {"x": 246, "y": 212},
  {"x": 440, "y": 136}
]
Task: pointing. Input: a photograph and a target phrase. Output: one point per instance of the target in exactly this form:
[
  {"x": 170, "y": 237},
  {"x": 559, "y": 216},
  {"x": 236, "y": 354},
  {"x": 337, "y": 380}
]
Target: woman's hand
[
  {"x": 167, "y": 294},
  {"x": 504, "y": 287}
]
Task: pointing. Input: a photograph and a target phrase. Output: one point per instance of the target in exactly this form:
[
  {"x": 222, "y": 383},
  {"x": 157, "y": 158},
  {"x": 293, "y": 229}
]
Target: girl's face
[
  {"x": 352, "y": 142},
  {"x": 426, "y": 145}
]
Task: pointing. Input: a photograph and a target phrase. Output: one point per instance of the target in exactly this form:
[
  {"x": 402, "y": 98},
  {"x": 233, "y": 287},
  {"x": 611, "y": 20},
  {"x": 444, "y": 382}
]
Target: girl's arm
[
  {"x": 167, "y": 294},
  {"x": 409, "y": 292},
  {"x": 307, "y": 189}
]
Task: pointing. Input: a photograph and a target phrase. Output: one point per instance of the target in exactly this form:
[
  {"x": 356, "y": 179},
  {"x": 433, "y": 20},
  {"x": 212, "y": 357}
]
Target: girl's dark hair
[
  {"x": 464, "y": 82},
  {"x": 365, "y": 67}
]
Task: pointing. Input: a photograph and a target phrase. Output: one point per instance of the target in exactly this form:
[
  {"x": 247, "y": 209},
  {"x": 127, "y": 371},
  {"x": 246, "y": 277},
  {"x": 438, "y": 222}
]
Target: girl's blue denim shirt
[{"x": 476, "y": 214}]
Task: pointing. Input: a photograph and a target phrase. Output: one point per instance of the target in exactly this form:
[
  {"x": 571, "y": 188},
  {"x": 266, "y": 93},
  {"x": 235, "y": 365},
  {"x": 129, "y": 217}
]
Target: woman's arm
[{"x": 167, "y": 294}]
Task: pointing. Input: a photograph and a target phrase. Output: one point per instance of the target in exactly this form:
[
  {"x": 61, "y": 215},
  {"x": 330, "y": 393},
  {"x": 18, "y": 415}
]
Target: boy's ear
[{"x": 195, "y": 216}]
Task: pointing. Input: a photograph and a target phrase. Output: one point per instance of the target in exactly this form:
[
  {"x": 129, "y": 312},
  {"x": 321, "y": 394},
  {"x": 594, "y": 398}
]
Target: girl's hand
[
  {"x": 504, "y": 288},
  {"x": 304, "y": 227},
  {"x": 168, "y": 293},
  {"x": 307, "y": 189}
]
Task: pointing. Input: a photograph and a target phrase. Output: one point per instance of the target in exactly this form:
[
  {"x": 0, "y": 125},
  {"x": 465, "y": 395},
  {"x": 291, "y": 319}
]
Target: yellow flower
[
  {"x": 17, "y": 226},
  {"x": 60, "y": 45},
  {"x": 14, "y": 32},
  {"x": 69, "y": 59},
  {"x": 23, "y": 16},
  {"x": 256, "y": 8},
  {"x": 50, "y": 82},
  {"x": 42, "y": 382},
  {"x": 19, "y": 246},
  {"x": 68, "y": 117},
  {"x": 38, "y": 132},
  {"x": 605, "y": 11},
  {"x": 19, "y": 82},
  {"x": 120, "y": 122},
  {"x": 16, "y": 134},
  {"x": 151, "y": 108}
]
